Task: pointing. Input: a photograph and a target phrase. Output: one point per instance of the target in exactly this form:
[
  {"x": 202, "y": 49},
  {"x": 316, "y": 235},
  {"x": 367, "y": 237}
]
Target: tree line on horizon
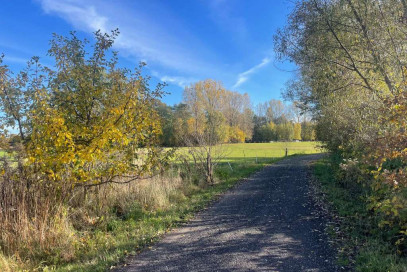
[{"x": 237, "y": 121}]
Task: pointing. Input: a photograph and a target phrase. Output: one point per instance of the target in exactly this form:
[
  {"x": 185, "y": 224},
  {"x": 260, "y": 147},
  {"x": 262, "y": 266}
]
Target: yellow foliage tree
[
  {"x": 207, "y": 128},
  {"x": 297, "y": 131},
  {"x": 89, "y": 121},
  {"x": 236, "y": 135}
]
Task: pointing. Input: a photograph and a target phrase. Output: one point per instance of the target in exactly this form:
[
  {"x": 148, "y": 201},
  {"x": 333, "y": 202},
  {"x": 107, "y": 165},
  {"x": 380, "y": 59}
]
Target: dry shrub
[
  {"x": 8, "y": 264},
  {"x": 41, "y": 223},
  {"x": 350, "y": 173},
  {"x": 33, "y": 222},
  {"x": 91, "y": 205}
]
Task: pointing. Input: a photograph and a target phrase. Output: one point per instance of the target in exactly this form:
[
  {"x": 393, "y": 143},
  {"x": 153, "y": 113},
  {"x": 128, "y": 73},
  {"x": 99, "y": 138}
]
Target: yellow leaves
[
  {"x": 195, "y": 126},
  {"x": 297, "y": 131},
  {"x": 87, "y": 124},
  {"x": 272, "y": 125},
  {"x": 117, "y": 111},
  {"x": 60, "y": 146},
  {"x": 235, "y": 135}
]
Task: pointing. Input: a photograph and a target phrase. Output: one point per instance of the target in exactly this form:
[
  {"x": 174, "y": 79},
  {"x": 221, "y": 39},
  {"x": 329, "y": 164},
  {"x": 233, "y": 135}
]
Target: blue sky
[{"x": 182, "y": 41}]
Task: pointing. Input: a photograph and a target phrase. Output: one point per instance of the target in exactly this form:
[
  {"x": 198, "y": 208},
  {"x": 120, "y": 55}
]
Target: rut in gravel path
[{"x": 267, "y": 223}]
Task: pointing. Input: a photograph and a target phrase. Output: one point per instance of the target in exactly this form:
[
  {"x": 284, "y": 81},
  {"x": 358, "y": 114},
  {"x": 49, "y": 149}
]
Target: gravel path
[{"x": 268, "y": 223}]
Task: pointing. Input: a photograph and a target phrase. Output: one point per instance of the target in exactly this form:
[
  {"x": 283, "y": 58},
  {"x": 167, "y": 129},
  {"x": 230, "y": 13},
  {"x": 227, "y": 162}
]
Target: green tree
[
  {"x": 297, "y": 131},
  {"x": 285, "y": 131},
  {"x": 307, "y": 131},
  {"x": 351, "y": 56}
]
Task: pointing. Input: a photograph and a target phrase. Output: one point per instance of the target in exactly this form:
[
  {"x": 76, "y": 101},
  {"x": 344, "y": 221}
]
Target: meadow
[{"x": 263, "y": 151}]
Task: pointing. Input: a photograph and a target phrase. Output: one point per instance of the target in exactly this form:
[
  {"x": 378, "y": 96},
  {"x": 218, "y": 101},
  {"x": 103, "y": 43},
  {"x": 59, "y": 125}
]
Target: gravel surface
[{"x": 267, "y": 223}]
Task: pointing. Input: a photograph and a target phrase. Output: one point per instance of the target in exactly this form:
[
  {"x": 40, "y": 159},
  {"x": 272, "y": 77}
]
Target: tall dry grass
[
  {"x": 90, "y": 205},
  {"x": 42, "y": 224},
  {"x": 33, "y": 219}
]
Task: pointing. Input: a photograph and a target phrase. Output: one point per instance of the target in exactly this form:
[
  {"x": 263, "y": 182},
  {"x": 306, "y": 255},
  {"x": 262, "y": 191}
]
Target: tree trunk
[{"x": 209, "y": 169}]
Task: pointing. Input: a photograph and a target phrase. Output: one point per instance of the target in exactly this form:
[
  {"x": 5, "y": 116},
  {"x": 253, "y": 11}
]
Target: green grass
[
  {"x": 103, "y": 247},
  {"x": 5, "y": 154},
  {"x": 249, "y": 151},
  {"x": 262, "y": 152},
  {"x": 360, "y": 237}
]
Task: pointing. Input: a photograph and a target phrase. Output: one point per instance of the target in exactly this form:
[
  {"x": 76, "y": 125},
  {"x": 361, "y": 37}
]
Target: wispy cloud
[
  {"x": 177, "y": 80},
  {"x": 142, "y": 37},
  {"x": 84, "y": 17},
  {"x": 243, "y": 77},
  {"x": 176, "y": 53},
  {"x": 15, "y": 59},
  {"x": 180, "y": 81}
]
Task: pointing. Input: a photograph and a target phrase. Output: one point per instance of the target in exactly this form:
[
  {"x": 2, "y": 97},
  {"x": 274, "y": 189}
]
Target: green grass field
[
  {"x": 261, "y": 151},
  {"x": 248, "y": 152},
  {"x": 265, "y": 152}
]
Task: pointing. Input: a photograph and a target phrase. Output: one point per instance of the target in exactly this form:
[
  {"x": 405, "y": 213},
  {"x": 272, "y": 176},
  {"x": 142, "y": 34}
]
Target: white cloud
[
  {"x": 180, "y": 81},
  {"x": 169, "y": 49},
  {"x": 243, "y": 77},
  {"x": 15, "y": 59},
  {"x": 177, "y": 80},
  {"x": 80, "y": 16},
  {"x": 141, "y": 36}
]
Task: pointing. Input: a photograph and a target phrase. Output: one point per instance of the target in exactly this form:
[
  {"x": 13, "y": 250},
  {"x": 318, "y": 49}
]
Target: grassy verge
[{"x": 362, "y": 244}]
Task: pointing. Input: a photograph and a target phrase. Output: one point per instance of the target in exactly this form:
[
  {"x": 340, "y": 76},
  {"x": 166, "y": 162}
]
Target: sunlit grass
[
  {"x": 263, "y": 152},
  {"x": 250, "y": 151}
]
